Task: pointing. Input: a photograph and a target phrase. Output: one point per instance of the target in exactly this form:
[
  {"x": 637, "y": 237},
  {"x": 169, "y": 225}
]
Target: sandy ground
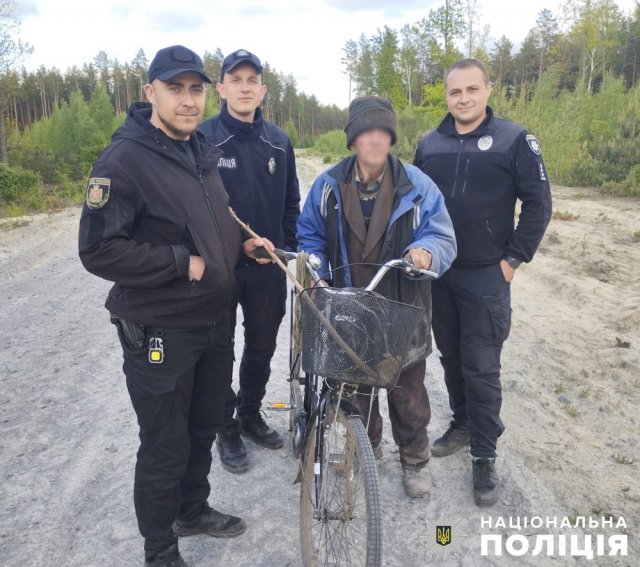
[{"x": 571, "y": 397}]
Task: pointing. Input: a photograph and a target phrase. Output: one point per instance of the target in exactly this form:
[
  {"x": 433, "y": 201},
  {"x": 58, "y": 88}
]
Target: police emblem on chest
[
  {"x": 272, "y": 166},
  {"x": 98, "y": 189},
  {"x": 485, "y": 143}
]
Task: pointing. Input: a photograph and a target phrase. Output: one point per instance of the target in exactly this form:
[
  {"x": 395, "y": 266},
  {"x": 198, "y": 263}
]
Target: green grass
[
  {"x": 565, "y": 216},
  {"x": 621, "y": 459}
]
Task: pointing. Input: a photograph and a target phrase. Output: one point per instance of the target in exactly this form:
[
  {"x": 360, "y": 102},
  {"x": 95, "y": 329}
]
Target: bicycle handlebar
[{"x": 313, "y": 264}]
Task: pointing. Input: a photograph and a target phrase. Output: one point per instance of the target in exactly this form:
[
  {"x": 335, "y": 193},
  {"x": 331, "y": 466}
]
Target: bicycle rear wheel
[{"x": 340, "y": 511}]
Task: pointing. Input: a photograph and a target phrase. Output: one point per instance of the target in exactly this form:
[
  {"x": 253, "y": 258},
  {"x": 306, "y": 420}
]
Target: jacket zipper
[
  {"x": 466, "y": 176},
  {"x": 455, "y": 182},
  {"x": 215, "y": 223},
  {"x": 486, "y": 223}
]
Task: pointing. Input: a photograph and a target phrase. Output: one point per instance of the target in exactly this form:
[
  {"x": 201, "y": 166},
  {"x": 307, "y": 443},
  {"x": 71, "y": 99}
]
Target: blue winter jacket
[{"x": 419, "y": 220}]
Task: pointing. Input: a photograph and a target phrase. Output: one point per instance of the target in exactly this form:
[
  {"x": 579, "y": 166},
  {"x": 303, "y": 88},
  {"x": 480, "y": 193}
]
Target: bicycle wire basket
[{"x": 385, "y": 336}]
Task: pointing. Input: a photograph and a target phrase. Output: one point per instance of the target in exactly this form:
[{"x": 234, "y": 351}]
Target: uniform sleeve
[
  {"x": 312, "y": 233},
  {"x": 534, "y": 192},
  {"x": 417, "y": 161},
  {"x": 435, "y": 230},
  {"x": 292, "y": 202},
  {"x": 105, "y": 242}
]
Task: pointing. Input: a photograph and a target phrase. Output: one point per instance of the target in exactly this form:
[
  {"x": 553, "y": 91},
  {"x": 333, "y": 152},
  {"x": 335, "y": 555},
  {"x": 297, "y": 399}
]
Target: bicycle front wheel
[{"x": 340, "y": 512}]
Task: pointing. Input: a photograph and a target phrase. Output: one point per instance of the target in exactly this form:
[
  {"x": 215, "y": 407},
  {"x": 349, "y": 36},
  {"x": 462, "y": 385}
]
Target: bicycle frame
[{"x": 337, "y": 479}]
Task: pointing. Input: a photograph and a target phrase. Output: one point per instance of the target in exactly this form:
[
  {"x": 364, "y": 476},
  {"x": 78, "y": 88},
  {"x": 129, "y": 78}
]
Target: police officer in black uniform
[
  {"x": 156, "y": 223},
  {"x": 482, "y": 165},
  {"x": 258, "y": 169}
]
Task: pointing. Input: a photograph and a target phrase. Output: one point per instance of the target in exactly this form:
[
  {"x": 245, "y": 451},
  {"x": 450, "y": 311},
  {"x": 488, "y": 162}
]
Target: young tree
[
  {"x": 477, "y": 33},
  {"x": 408, "y": 62},
  {"x": 446, "y": 24},
  {"x": 366, "y": 72},
  {"x": 350, "y": 63},
  {"x": 388, "y": 79},
  {"x": 500, "y": 62},
  {"x": 12, "y": 49},
  {"x": 546, "y": 32}
]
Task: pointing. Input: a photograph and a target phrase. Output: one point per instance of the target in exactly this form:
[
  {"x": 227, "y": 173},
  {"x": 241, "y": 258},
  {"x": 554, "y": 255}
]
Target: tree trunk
[{"x": 3, "y": 141}]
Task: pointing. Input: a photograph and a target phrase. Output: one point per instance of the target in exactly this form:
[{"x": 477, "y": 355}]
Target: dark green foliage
[{"x": 16, "y": 183}]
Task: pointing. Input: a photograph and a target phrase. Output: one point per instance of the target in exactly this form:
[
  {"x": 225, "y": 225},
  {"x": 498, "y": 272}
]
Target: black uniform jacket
[
  {"x": 159, "y": 209},
  {"x": 481, "y": 175},
  {"x": 258, "y": 169}
]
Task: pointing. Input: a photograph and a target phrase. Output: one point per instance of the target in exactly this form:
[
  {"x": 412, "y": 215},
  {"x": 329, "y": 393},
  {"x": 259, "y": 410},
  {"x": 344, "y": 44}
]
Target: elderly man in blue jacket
[{"x": 366, "y": 210}]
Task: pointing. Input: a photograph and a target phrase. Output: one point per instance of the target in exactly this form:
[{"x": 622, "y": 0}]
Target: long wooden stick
[{"x": 361, "y": 364}]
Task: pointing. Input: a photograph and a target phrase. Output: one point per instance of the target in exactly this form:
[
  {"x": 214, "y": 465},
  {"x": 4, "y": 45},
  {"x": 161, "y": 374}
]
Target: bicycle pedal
[{"x": 279, "y": 406}]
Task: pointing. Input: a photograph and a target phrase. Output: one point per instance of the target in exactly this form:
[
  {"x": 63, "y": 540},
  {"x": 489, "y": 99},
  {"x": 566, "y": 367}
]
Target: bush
[
  {"x": 333, "y": 143},
  {"x": 630, "y": 187},
  {"x": 18, "y": 185},
  {"x": 290, "y": 129},
  {"x": 36, "y": 159}
]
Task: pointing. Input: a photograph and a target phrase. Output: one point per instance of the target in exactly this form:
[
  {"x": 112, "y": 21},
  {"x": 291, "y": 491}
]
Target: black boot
[
  {"x": 485, "y": 482},
  {"x": 169, "y": 557},
  {"x": 453, "y": 439},
  {"x": 233, "y": 454},
  {"x": 254, "y": 427},
  {"x": 212, "y": 523}
]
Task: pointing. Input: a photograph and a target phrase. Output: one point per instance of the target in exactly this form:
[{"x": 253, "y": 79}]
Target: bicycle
[{"x": 349, "y": 338}]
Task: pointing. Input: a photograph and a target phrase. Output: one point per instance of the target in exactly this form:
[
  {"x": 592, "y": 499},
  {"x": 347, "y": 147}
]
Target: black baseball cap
[
  {"x": 234, "y": 59},
  {"x": 172, "y": 61}
]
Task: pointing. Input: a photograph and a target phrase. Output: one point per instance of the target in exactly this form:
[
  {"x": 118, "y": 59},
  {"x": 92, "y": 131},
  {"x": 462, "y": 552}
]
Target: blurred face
[
  {"x": 372, "y": 148},
  {"x": 243, "y": 90},
  {"x": 467, "y": 96},
  {"x": 178, "y": 104}
]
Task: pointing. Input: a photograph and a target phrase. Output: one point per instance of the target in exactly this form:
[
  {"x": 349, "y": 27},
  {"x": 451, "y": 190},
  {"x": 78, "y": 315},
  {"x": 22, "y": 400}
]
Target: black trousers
[
  {"x": 471, "y": 321},
  {"x": 261, "y": 291},
  {"x": 409, "y": 413},
  {"x": 179, "y": 405}
]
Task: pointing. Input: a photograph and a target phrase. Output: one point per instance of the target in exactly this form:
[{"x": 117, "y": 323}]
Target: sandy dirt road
[{"x": 571, "y": 397}]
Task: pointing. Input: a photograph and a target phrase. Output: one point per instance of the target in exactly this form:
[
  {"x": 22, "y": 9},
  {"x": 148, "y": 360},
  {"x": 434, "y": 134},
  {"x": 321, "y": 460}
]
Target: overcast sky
[{"x": 297, "y": 37}]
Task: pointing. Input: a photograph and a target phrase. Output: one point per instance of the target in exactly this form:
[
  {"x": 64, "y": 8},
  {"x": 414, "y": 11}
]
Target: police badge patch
[
  {"x": 485, "y": 143},
  {"x": 97, "y": 192},
  {"x": 272, "y": 166},
  {"x": 533, "y": 144}
]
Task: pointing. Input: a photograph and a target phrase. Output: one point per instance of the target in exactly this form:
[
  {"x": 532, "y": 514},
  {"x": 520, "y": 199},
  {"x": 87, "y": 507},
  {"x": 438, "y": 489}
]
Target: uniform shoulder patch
[
  {"x": 533, "y": 144},
  {"x": 98, "y": 189}
]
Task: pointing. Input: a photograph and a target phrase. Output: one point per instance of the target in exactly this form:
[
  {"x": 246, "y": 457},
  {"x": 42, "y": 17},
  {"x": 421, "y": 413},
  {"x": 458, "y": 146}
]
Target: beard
[{"x": 178, "y": 132}]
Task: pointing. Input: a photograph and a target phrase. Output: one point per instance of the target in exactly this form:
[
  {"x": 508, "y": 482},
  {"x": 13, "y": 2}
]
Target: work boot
[
  {"x": 211, "y": 523},
  {"x": 254, "y": 427},
  {"x": 485, "y": 482},
  {"x": 233, "y": 454},
  {"x": 416, "y": 480},
  {"x": 169, "y": 557},
  {"x": 454, "y": 439}
]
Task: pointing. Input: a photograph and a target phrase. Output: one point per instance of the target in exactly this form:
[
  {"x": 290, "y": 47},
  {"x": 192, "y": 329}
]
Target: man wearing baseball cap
[
  {"x": 258, "y": 169},
  {"x": 364, "y": 211},
  {"x": 155, "y": 222}
]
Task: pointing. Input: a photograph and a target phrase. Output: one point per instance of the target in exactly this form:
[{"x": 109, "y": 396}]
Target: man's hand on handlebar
[
  {"x": 250, "y": 246},
  {"x": 420, "y": 258}
]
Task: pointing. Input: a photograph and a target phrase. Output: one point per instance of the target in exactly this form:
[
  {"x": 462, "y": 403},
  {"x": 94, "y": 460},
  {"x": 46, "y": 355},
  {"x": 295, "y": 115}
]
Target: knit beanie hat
[{"x": 367, "y": 113}]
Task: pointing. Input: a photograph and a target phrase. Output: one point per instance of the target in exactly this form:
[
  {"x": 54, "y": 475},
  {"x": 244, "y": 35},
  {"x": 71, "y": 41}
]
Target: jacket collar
[
  {"x": 341, "y": 172},
  {"x": 244, "y": 130},
  {"x": 139, "y": 127},
  {"x": 448, "y": 126}
]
